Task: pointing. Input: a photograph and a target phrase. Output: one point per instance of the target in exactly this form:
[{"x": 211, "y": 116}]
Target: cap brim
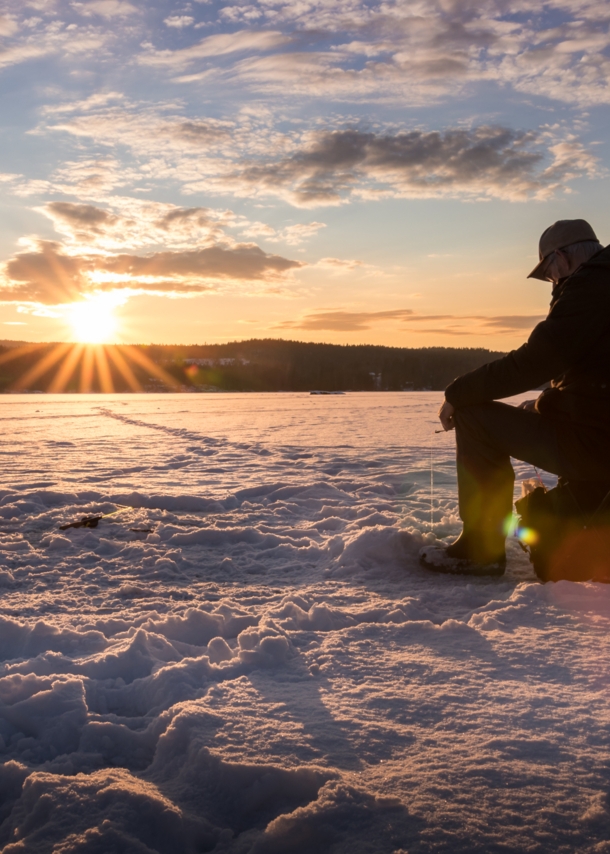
[{"x": 537, "y": 272}]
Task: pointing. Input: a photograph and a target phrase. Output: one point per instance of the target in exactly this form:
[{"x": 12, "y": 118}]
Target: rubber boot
[{"x": 473, "y": 553}]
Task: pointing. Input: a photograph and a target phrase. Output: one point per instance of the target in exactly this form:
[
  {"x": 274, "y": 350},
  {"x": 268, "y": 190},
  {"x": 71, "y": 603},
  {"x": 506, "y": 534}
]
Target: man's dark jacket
[{"x": 570, "y": 348}]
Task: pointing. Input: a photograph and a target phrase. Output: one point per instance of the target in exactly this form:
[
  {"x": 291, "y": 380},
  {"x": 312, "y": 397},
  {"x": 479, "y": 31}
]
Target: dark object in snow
[
  {"x": 476, "y": 553},
  {"x": 142, "y": 530},
  {"x": 85, "y": 522},
  {"x": 441, "y": 559},
  {"x": 566, "y": 531}
]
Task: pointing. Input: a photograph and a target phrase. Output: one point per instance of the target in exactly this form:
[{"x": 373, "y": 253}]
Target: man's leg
[{"x": 487, "y": 436}]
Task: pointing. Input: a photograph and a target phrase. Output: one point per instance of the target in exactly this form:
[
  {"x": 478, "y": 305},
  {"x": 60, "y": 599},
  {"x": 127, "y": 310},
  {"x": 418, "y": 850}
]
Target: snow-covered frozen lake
[{"x": 261, "y": 666}]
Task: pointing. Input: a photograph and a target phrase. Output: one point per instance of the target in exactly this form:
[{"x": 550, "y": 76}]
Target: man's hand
[
  {"x": 445, "y": 414},
  {"x": 528, "y": 405}
]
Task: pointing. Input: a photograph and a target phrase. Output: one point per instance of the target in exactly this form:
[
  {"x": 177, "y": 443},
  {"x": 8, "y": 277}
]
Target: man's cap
[{"x": 562, "y": 233}]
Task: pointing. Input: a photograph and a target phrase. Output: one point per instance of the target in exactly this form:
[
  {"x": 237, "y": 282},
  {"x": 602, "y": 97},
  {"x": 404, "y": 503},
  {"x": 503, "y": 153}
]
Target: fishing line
[
  {"x": 539, "y": 478},
  {"x": 431, "y": 490}
]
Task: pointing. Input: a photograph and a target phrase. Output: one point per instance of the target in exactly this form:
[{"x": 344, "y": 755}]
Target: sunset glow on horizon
[{"x": 223, "y": 176}]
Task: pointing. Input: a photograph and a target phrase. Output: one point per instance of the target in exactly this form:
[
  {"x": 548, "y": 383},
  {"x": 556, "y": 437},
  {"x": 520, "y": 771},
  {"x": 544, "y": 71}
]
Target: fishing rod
[{"x": 92, "y": 521}]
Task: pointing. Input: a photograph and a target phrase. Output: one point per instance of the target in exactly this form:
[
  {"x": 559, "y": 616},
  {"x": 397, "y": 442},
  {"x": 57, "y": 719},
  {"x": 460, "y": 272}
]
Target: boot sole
[{"x": 456, "y": 566}]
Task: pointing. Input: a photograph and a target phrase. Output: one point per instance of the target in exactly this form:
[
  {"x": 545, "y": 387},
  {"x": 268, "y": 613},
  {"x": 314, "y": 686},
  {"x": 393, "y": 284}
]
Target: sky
[{"x": 320, "y": 170}]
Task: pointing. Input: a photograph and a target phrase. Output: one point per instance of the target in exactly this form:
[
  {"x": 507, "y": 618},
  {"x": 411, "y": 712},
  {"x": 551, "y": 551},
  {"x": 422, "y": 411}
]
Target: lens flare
[
  {"x": 527, "y": 536},
  {"x": 510, "y": 525}
]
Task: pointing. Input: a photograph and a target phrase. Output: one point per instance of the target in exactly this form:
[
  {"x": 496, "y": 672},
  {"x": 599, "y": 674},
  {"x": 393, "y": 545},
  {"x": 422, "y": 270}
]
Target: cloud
[
  {"x": 40, "y": 5},
  {"x": 8, "y": 25},
  {"x": 488, "y": 161},
  {"x": 135, "y": 224},
  {"x": 298, "y": 233},
  {"x": 98, "y": 99},
  {"x": 22, "y": 52},
  {"x": 179, "y": 21},
  {"x": 340, "y": 320},
  {"x": 198, "y": 133},
  {"x": 338, "y": 75},
  {"x": 243, "y": 262},
  {"x": 513, "y": 321},
  {"x": 221, "y": 44},
  {"x": 408, "y": 53},
  {"x": 45, "y": 274},
  {"x": 138, "y": 246},
  {"x": 147, "y": 130},
  {"x": 240, "y": 13},
  {"x": 340, "y": 265},
  {"x": 109, "y": 249},
  {"x": 346, "y": 321},
  {"x": 293, "y": 235},
  {"x": 88, "y": 217},
  {"x": 34, "y": 38},
  {"x": 91, "y": 177},
  {"x": 105, "y": 8},
  {"x": 248, "y": 156}
]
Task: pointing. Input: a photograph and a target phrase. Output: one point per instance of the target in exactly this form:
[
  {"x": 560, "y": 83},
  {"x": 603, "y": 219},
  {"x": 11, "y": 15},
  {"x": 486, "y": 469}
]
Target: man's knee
[
  {"x": 474, "y": 419},
  {"x": 493, "y": 429}
]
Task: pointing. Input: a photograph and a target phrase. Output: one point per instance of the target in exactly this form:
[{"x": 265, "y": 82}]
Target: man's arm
[
  {"x": 531, "y": 365},
  {"x": 578, "y": 318}
]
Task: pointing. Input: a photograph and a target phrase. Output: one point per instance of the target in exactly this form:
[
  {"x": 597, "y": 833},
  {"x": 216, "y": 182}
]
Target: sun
[{"x": 93, "y": 320}]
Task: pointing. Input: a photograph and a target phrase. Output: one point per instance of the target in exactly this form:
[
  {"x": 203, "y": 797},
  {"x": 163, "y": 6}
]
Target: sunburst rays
[{"x": 86, "y": 368}]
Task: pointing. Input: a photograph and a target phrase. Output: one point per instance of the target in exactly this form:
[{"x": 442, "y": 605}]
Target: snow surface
[{"x": 270, "y": 670}]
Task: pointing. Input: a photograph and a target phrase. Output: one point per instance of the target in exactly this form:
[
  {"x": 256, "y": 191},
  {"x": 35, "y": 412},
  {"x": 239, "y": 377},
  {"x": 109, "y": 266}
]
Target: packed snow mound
[
  {"x": 246, "y": 657},
  {"x": 113, "y": 811}
]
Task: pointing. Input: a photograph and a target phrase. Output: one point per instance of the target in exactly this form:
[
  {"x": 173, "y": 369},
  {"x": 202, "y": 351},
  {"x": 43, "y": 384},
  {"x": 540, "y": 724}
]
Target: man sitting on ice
[{"x": 566, "y": 431}]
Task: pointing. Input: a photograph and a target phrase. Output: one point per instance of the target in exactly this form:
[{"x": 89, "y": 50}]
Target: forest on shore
[{"x": 254, "y": 365}]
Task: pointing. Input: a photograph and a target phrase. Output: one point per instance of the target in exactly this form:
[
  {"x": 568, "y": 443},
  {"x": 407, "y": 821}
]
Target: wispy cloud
[
  {"x": 35, "y": 38},
  {"x": 339, "y": 265},
  {"x": 135, "y": 224},
  {"x": 223, "y": 44},
  {"x": 408, "y": 53},
  {"x": 398, "y": 52},
  {"x": 105, "y": 8},
  {"x": 94, "y": 101},
  {"x": 340, "y": 320},
  {"x": 293, "y": 235},
  {"x": 179, "y": 21},
  {"x": 346, "y": 321},
  {"x": 8, "y": 25},
  {"x": 147, "y": 130}
]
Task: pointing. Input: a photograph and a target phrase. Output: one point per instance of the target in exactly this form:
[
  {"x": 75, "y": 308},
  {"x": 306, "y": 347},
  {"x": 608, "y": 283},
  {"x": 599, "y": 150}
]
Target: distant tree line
[{"x": 255, "y": 365}]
